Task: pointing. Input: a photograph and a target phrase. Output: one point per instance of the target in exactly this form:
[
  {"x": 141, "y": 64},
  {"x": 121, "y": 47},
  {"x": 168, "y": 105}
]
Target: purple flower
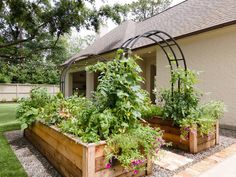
[
  {"x": 135, "y": 171},
  {"x": 108, "y": 166},
  {"x": 186, "y": 129}
]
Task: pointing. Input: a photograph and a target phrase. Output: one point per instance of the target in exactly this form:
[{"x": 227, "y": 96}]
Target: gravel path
[
  {"x": 33, "y": 162},
  {"x": 227, "y": 138},
  {"x": 37, "y": 166}
]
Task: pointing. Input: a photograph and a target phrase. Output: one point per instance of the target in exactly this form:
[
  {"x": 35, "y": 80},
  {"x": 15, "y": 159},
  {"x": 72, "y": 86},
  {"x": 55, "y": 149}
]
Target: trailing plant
[{"x": 132, "y": 148}]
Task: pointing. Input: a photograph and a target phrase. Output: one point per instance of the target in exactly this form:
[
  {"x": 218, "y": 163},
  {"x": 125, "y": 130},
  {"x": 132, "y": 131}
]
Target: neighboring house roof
[{"x": 187, "y": 18}]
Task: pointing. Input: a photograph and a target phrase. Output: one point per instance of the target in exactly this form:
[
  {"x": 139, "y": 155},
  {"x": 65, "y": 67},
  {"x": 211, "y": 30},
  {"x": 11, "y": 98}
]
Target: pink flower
[
  {"x": 108, "y": 166},
  {"x": 135, "y": 171},
  {"x": 186, "y": 128},
  {"x": 194, "y": 131}
]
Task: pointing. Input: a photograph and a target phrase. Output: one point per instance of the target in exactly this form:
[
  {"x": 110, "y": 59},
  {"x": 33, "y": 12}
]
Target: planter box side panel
[
  {"x": 73, "y": 159},
  {"x": 61, "y": 143},
  {"x": 116, "y": 169},
  {"x": 196, "y": 143},
  {"x": 59, "y": 161},
  {"x": 171, "y": 134}
]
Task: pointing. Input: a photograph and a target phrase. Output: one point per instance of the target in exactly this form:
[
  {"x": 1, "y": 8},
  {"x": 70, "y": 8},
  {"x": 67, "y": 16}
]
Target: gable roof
[{"x": 184, "y": 19}]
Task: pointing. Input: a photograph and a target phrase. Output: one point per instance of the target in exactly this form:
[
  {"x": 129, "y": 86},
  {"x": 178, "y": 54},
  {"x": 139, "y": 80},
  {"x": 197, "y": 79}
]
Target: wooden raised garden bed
[
  {"x": 195, "y": 142},
  {"x": 73, "y": 158}
]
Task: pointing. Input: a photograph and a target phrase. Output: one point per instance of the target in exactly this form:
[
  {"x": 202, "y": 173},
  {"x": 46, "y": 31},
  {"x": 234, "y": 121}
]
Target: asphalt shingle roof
[{"x": 188, "y": 17}]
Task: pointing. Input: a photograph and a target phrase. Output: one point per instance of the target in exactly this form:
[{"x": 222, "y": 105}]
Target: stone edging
[{"x": 207, "y": 163}]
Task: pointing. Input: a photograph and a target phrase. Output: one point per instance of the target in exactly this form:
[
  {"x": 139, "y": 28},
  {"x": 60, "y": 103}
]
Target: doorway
[{"x": 79, "y": 83}]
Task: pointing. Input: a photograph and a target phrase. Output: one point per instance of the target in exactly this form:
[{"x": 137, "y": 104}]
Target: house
[{"x": 204, "y": 29}]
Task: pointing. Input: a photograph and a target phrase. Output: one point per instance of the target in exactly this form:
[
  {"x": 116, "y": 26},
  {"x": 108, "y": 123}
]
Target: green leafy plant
[
  {"x": 203, "y": 120},
  {"x": 113, "y": 114},
  {"x": 119, "y": 93},
  {"x": 152, "y": 111},
  {"x": 182, "y": 102},
  {"x": 29, "y": 108},
  {"x": 184, "y": 108},
  {"x": 132, "y": 148}
]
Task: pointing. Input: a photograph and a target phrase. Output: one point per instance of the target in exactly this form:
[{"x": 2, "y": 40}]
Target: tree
[
  {"x": 43, "y": 67},
  {"x": 142, "y": 9},
  {"x": 76, "y": 44},
  {"x": 28, "y": 27}
]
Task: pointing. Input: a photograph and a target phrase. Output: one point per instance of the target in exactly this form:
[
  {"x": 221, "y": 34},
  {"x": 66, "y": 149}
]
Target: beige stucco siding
[{"x": 214, "y": 53}]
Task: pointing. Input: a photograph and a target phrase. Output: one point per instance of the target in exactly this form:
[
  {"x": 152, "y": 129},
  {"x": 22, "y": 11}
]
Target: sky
[{"x": 110, "y": 25}]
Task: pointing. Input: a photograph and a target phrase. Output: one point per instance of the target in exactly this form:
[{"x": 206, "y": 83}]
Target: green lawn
[{"x": 9, "y": 164}]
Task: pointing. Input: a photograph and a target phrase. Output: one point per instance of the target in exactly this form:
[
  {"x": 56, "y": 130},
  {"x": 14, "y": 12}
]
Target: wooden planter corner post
[
  {"x": 73, "y": 158},
  {"x": 193, "y": 140},
  {"x": 194, "y": 144}
]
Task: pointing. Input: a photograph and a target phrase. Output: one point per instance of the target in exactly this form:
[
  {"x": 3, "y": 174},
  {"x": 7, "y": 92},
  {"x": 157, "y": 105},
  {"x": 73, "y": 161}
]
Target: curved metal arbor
[
  {"x": 168, "y": 45},
  {"x": 67, "y": 67}
]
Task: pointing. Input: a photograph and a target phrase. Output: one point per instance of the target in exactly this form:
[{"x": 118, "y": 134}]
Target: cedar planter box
[
  {"x": 195, "y": 142},
  {"x": 71, "y": 157}
]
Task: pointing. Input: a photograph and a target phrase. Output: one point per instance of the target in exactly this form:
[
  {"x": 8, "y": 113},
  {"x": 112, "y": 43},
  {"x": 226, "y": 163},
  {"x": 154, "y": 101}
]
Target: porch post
[
  {"x": 89, "y": 84},
  {"x": 68, "y": 85}
]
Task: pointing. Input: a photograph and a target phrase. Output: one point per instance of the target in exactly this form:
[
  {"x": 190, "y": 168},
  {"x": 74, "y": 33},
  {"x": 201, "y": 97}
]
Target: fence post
[
  {"x": 53, "y": 90},
  {"x": 17, "y": 91}
]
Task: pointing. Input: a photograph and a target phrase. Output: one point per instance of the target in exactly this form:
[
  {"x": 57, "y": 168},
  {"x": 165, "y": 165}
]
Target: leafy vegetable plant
[
  {"x": 184, "y": 108},
  {"x": 30, "y": 108},
  {"x": 113, "y": 114}
]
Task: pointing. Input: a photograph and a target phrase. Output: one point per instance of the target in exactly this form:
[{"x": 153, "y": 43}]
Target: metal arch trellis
[
  {"x": 68, "y": 65},
  {"x": 166, "y": 43}
]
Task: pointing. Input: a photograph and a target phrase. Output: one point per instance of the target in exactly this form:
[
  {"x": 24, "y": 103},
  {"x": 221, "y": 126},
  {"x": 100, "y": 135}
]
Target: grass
[
  {"x": 7, "y": 114},
  {"x": 10, "y": 165}
]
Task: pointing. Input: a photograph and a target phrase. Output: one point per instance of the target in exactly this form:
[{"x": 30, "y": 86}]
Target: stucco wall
[
  {"x": 12, "y": 92},
  {"x": 214, "y": 53}
]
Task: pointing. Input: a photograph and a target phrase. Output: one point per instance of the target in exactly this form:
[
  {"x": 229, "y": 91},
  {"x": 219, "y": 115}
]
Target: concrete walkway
[
  {"x": 220, "y": 164},
  {"x": 227, "y": 168}
]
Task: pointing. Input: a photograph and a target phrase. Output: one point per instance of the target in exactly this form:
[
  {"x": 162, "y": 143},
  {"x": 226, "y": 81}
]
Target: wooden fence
[{"x": 12, "y": 92}]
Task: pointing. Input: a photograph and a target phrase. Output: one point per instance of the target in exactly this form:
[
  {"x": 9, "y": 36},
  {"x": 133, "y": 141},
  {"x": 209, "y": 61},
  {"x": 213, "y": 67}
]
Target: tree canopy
[
  {"x": 142, "y": 9},
  {"x": 33, "y": 35},
  {"x": 37, "y": 25}
]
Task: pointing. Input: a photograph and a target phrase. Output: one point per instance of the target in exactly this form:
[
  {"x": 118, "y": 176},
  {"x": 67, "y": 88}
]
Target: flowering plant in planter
[{"x": 113, "y": 114}]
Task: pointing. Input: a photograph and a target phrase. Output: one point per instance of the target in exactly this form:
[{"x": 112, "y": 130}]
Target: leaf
[{"x": 24, "y": 126}]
